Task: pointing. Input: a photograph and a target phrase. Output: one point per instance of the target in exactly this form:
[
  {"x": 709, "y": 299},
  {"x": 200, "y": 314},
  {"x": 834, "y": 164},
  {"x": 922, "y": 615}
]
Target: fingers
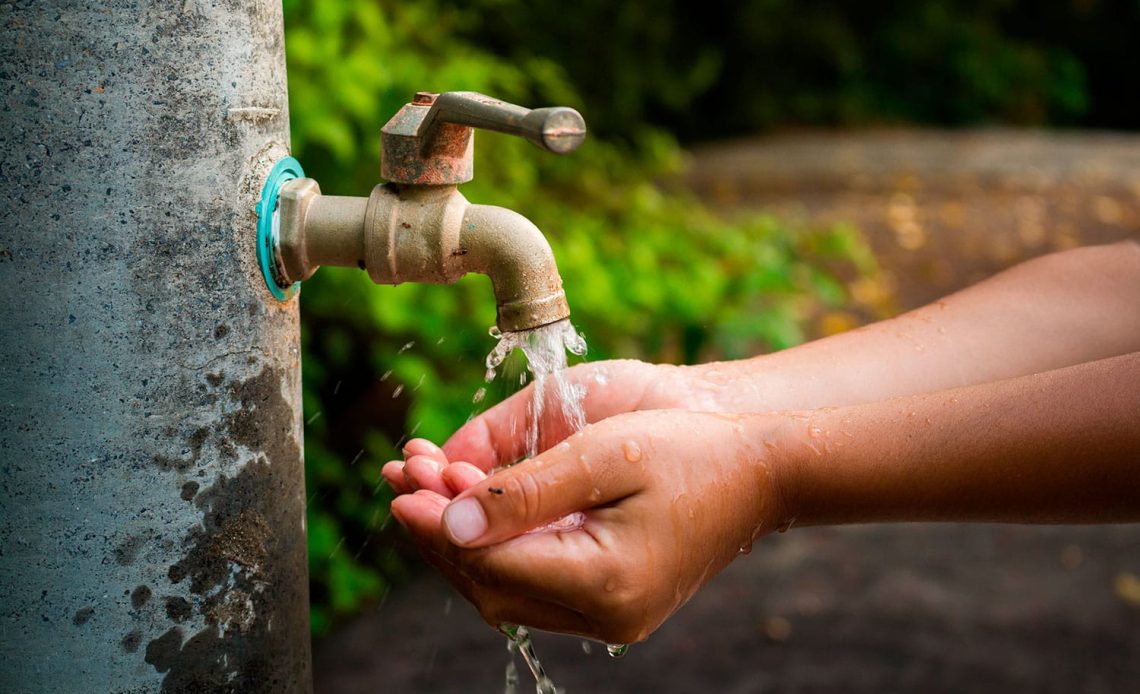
[
  {"x": 420, "y": 513},
  {"x": 422, "y": 472},
  {"x": 538, "y": 491},
  {"x": 462, "y": 476},
  {"x": 393, "y": 473},
  {"x": 405, "y": 481},
  {"x": 425, "y": 448},
  {"x": 495, "y": 438}
]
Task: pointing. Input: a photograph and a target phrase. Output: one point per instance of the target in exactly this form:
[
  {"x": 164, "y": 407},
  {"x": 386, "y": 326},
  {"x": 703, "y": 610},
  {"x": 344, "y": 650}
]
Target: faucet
[{"x": 418, "y": 227}]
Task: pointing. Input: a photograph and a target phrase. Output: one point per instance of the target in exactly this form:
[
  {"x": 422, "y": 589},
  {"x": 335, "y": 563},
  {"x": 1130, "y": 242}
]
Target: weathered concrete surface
[{"x": 152, "y": 534}]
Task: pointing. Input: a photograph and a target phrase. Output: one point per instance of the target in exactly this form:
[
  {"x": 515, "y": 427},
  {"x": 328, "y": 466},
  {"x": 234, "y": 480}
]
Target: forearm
[
  {"x": 1045, "y": 314},
  {"x": 1061, "y": 446}
]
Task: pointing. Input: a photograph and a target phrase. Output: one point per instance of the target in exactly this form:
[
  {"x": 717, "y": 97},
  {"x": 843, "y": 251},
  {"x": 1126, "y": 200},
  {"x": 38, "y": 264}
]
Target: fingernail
[
  {"x": 465, "y": 520},
  {"x": 421, "y": 447}
]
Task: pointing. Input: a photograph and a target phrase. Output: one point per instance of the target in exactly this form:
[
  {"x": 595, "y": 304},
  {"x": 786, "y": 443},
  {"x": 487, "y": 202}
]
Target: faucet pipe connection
[{"x": 419, "y": 233}]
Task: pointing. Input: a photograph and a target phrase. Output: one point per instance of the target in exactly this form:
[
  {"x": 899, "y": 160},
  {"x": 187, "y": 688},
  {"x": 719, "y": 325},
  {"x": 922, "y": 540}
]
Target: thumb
[{"x": 536, "y": 492}]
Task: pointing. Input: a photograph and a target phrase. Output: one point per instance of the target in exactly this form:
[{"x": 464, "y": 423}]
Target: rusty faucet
[{"x": 418, "y": 227}]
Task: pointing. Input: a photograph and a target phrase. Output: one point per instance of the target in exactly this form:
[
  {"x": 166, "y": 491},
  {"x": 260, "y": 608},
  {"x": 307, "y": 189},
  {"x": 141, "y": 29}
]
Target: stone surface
[{"x": 152, "y": 534}]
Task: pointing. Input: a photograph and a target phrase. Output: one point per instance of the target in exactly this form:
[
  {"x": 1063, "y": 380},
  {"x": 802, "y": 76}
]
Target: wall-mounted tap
[{"x": 417, "y": 227}]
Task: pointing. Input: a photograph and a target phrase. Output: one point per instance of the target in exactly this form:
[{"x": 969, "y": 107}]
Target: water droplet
[
  {"x": 406, "y": 347},
  {"x": 746, "y": 548},
  {"x": 587, "y": 648},
  {"x": 617, "y": 650},
  {"x": 632, "y": 451},
  {"x": 386, "y": 375},
  {"x": 399, "y": 389},
  {"x": 489, "y": 376},
  {"x": 494, "y": 332},
  {"x": 479, "y": 395},
  {"x": 420, "y": 383},
  {"x": 522, "y": 379}
]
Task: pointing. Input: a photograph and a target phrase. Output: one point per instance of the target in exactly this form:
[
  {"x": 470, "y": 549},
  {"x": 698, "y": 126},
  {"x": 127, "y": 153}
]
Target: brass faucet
[{"x": 418, "y": 227}]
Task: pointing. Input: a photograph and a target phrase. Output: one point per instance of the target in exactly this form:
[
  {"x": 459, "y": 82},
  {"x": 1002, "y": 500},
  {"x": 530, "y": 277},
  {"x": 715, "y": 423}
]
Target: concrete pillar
[{"x": 152, "y": 533}]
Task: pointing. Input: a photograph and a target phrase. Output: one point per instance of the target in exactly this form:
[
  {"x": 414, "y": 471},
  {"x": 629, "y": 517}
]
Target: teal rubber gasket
[{"x": 282, "y": 172}]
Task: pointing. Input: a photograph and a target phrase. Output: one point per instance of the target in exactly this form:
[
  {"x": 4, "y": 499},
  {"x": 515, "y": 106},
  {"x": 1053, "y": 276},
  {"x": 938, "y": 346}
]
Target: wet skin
[{"x": 1010, "y": 401}]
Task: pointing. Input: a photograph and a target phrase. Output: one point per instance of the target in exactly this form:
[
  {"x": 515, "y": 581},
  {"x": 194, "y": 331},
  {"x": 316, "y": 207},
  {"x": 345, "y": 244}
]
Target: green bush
[
  {"x": 717, "y": 67},
  {"x": 649, "y": 272}
]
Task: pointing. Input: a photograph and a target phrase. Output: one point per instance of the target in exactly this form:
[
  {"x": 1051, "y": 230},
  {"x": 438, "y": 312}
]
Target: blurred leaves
[
  {"x": 718, "y": 67},
  {"x": 649, "y": 271}
]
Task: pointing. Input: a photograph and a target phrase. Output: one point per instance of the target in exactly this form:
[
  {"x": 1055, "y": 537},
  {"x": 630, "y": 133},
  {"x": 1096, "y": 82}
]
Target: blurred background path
[
  {"x": 923, "y": 608},
  {"x": 942, "y": 209}
]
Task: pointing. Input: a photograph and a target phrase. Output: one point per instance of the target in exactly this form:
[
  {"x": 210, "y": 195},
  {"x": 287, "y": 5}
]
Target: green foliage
[
  {"x": 649, "y": 272},
  {"x": 711, "y": 68}
]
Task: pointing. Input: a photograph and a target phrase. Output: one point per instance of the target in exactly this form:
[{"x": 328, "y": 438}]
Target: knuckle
[{"x": 523, "y": 495}]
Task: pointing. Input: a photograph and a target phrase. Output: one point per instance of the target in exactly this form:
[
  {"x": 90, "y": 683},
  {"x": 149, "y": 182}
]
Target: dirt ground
[{"x": 903, "y": 608}]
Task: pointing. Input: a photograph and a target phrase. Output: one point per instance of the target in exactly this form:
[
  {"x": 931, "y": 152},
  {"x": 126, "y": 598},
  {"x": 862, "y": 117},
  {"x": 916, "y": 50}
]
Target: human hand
[
  {"x": 666, "y": 499},
  {"x": 498, "y": 438},
  {"x": 425, "y": 467}
]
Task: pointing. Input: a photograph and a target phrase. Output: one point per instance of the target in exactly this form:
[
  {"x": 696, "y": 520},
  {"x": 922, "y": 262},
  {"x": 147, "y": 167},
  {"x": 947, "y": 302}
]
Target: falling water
[
  {"x": 545, "y": 349},
  {"x": 518, "y": 641}
]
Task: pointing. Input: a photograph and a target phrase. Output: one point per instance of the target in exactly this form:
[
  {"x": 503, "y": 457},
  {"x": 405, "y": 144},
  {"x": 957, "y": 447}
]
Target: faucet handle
[
  {"x": 558, "y": 129},
  {"x": 430, "y": 141}
]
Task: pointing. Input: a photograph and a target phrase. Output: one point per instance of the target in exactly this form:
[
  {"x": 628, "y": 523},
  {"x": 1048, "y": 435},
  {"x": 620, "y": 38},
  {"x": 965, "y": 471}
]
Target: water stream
[{"x": 545, "y": 349}]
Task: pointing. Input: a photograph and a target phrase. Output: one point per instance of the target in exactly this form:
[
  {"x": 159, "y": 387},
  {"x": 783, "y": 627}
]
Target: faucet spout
[
  {"x": 510, "y": 249},
  {"x": 422, "y": 234}
]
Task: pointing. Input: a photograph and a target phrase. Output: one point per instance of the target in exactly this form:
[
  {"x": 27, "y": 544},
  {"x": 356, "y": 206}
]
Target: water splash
[
  {"x": 545, "y": 349},
  {"x": 617, "y": 650},
  {"x": 518, "y": 641}
]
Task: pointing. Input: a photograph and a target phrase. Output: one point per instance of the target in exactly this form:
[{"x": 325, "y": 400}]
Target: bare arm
[
  {"x": 1055, "y": 311},
  {"x": 1052, "y": 312},
  {"x": 1056, "y": 447}
]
